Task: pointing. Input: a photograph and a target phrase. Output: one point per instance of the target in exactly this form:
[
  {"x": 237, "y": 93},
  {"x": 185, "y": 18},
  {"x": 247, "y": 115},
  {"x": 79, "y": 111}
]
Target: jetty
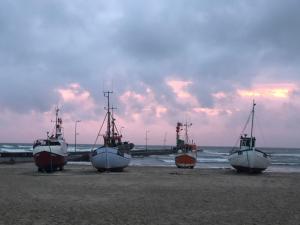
[
  {"x": 152, "y": 151},
  {"x": 81, "y": 156},
  {"x": 14, "y": 157}
]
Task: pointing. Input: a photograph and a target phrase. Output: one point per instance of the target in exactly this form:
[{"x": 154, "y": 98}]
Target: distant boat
[
  {"x": 248, "y": 158},
  {"x": 187, "y": 153},
  {"x": 50, "y": 154},
  {"x": 112, "y": 156}
]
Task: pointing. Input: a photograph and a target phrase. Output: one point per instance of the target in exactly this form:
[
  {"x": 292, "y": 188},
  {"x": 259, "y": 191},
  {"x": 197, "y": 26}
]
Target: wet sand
[{"x": 147, "y": 195}]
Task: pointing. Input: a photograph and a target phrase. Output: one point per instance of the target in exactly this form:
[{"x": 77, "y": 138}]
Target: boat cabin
[
  {"x": 45, "y": 142},
  {"x": 245, "y": 142},
  {"x": 113, "y": 141}
]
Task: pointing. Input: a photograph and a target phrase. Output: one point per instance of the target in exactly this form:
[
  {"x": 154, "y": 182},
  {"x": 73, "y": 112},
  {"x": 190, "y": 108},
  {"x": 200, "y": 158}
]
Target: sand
[{"x": 147, "y": 195}]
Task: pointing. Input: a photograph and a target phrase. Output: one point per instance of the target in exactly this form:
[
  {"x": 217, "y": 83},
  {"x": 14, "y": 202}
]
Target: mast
[
  {"x": 56, "y": 121},
  {"x": 178, "y": 128},
  {"x": 108, "y": 131},
  {"x": 186, "y": 132},
  {"x": 252, "y": 122},
  {"x": 113, "y": 127}
]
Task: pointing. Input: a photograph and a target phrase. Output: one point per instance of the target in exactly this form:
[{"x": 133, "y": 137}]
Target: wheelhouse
[
  {"x": 245, "y": 142},
  {"x": 45, "y": 142}
]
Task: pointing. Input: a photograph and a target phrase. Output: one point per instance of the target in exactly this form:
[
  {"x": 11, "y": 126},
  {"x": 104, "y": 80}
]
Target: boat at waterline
[
  {"x": 247, "y": 158},
  {"x": 186, "y": 153},
  {"x": 112, "y": 156},
  {"x": 51, "y": 154},
  {"x": 186, "y": 160}
]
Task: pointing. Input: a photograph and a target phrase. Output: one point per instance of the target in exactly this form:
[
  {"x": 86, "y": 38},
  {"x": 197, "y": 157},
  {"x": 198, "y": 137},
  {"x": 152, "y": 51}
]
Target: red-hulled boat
[
  {"x": 51, "y": 154},
  {"x": 187, "y": 153}
]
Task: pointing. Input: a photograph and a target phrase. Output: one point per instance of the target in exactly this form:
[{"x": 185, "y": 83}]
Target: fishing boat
[
  {"x": 50, "y": 154},
  {"x": 186, "y": 153},
  {"x": 247, "y": 158},
  {"x": 113, "y": 155}
]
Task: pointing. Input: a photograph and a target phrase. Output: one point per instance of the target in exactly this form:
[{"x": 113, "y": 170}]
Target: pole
[
  {"x": 77, "y": 121},
  {"x": 56, "y": 120},
  {"x": 147, "y": 139},
  {"x": 165, "y": 140}
]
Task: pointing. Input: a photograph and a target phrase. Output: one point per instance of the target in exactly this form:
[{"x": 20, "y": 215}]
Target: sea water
[{"x": 282, "y": 159}]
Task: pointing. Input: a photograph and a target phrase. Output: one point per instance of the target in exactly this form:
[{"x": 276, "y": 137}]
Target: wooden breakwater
[
  {"x": 148, "y": 152},
  {"x": 84, "y": 156},
  {"x": 13, "y": 157},
  {"x": 19, "y": 157},
  {"x": 80, "y": 156}
]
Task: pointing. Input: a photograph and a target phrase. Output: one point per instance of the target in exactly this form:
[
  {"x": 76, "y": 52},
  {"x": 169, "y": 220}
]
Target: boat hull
[
  {"x": 252, "y": 161},
  {"x": 185, "y": 160},
  {"x": 109, "y": 159},
  {"x": 50, "y": 158},
  {"x": 49, "y": 161}
]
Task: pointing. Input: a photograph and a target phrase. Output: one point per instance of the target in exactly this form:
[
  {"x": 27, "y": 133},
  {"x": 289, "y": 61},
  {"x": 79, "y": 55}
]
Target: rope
[
  {"x": 99, "y": 133},
  {"x": 243, "y": 130}
]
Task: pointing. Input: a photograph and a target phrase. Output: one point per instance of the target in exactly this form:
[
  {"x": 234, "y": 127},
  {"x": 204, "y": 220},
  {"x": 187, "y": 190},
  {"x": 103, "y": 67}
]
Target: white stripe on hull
[{"x": 55, "y": 149}]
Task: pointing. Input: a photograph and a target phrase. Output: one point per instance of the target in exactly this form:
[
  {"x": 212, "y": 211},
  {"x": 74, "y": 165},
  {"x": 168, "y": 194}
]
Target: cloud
[
  {"x": 270, "y": 91},
  {"x": 221, "y": 49}
]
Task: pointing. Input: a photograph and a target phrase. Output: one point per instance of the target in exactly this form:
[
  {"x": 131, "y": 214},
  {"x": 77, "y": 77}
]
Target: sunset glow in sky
[{"x": 166, "y": 61}]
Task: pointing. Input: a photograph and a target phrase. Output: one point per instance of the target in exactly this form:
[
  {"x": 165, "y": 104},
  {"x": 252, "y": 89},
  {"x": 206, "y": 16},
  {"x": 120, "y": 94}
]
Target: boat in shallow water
[
  {"x": 112, "y": 156},
  {"x": 51, "y": 154},
  {"x": 186, "y": 153},
  {"x": 247, "y": 158}
]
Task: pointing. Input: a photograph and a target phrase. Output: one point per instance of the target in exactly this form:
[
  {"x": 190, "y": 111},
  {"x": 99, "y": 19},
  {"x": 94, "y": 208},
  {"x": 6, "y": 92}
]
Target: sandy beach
[{"x": 147, "y": 195}]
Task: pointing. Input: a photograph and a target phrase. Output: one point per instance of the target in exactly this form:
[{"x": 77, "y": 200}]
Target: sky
[{"x": 166, "y": 61}]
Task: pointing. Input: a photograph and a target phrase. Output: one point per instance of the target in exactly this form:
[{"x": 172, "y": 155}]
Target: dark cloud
[{"x": 216, "y": 44}]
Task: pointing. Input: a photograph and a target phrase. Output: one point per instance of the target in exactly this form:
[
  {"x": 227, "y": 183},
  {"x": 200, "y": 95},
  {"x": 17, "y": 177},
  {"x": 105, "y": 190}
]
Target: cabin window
[
  {"x": 54, "y": 143},
  {"x": 247, "y": 142}
]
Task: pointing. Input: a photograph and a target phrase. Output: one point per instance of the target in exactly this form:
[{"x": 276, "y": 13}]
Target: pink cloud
[
  {"x": 218, "y": 125},
  {"x": 147, "y": 104},
  {"x": 179, "y": 88},
  {"x": 219, "y": 95},
  {"x": 273, "y": 91},
  {"x": 76, "y": 95},
  {"x": 211, "y": 111}
]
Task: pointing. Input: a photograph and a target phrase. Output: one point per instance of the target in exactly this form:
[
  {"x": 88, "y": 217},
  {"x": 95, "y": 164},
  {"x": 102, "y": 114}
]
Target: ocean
[{"x": 282, "y": 159}]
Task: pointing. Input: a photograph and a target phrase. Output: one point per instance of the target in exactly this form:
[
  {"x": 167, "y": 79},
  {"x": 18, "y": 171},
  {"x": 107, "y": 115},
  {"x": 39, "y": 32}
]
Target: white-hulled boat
[
  {"x": 186, "y": 153},
  {"x": 113, "y": 155},
  {"x": 51, "y": 154},
  {"x": 247, "y": 158},
  {"x": 107, "y": 158}
]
